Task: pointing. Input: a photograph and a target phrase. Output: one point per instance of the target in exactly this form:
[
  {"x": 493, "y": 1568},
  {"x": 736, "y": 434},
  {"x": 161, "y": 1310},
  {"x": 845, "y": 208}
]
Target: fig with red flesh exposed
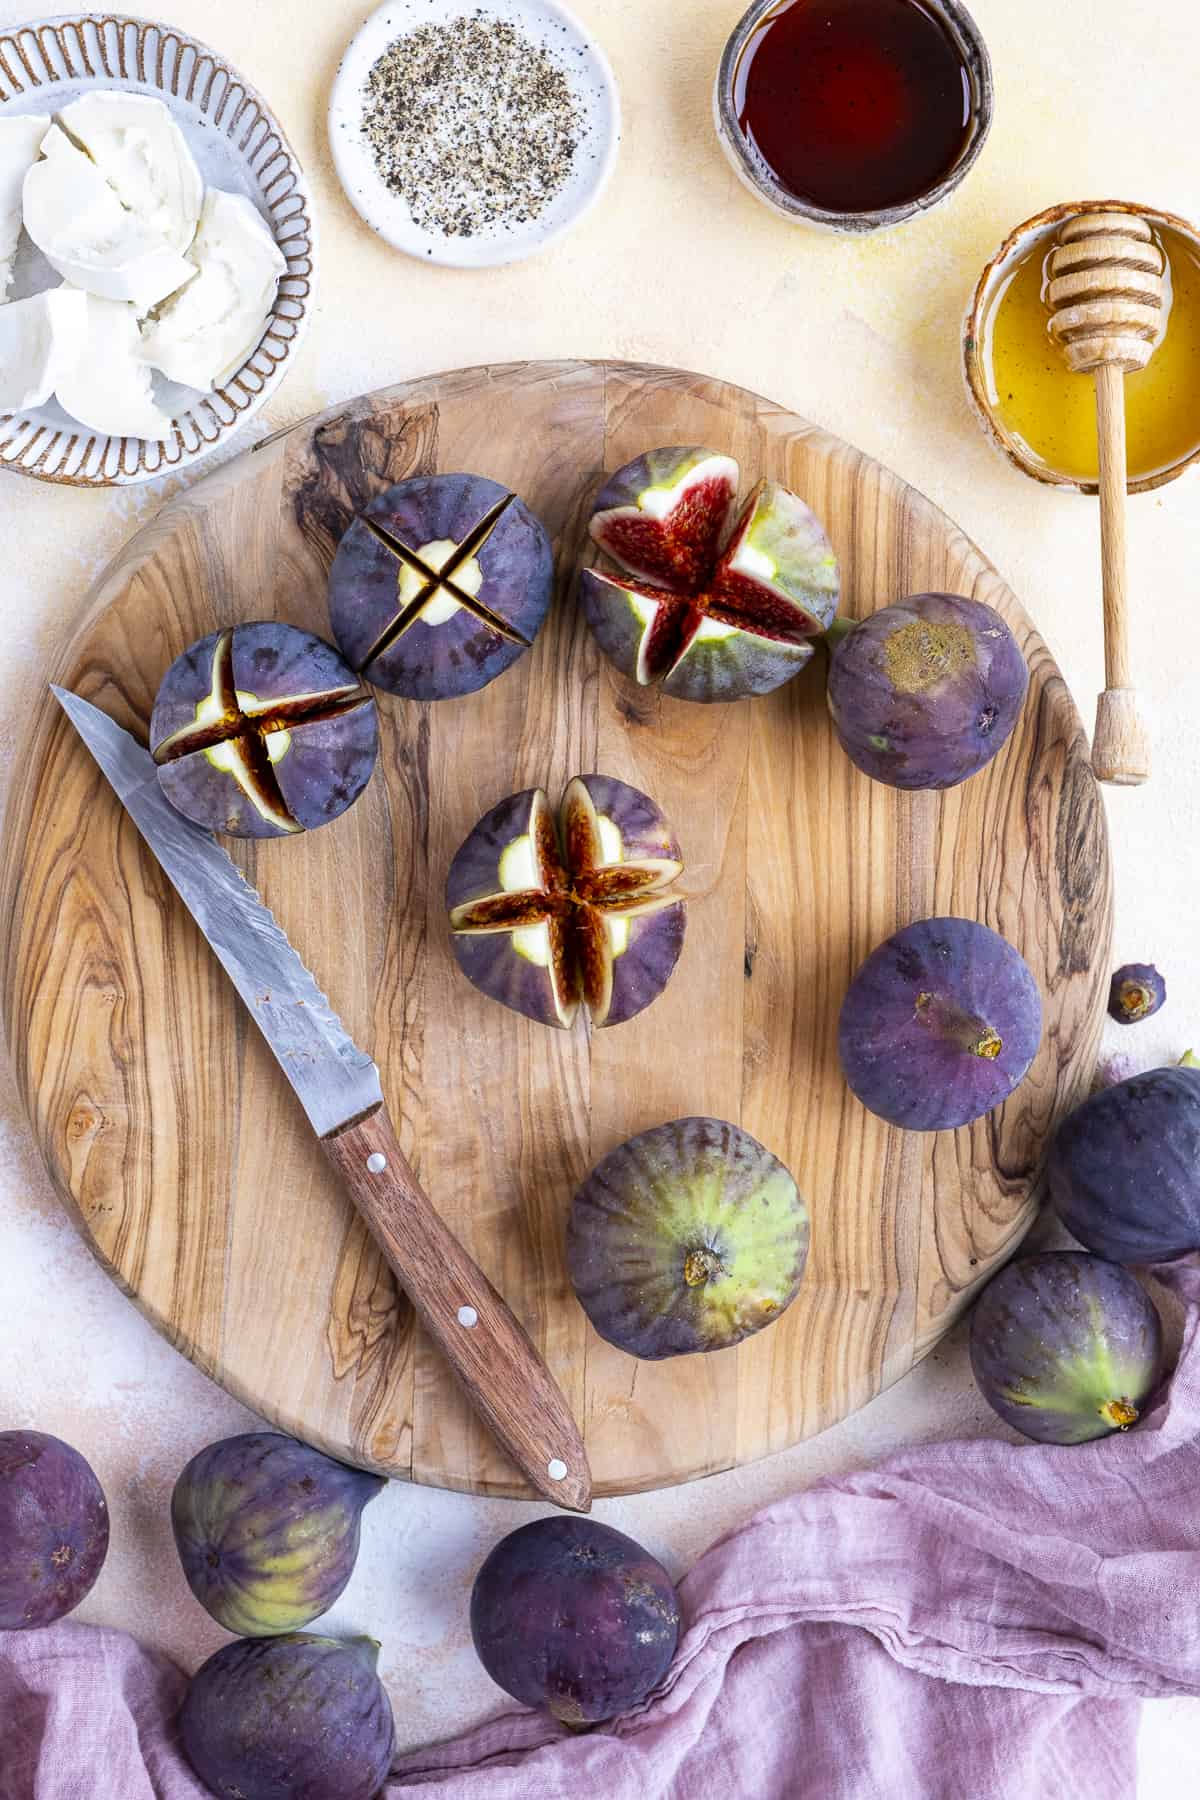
[
  {"x": 440, "y": 585},
  {"x": 924, "y": 693},
  {"x": 571, "y": 1615},
  {"x": 687, "y": 1238},
  {"x": 262, "y": 730},
  {"x": 712, "y": 604},
  {"x": 548, "y": 914},
  {"x": 53, "y": 1529},
  {"x": 940, "y": 1024},
  {"x": 1066, "y": 1347}
]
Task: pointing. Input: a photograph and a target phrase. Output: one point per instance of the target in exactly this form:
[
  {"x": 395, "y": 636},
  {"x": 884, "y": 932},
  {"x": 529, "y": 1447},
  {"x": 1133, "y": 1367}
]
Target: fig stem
[
  {"x": 368, "y": 1648},
  {"x": 700, "y": 1266},
  {"x": 1189, "y": 1060},
  {"x": 1121, "y": 1413},
  {"x": 955, "y": 1026},
  {"x": 841, "y": 628}
]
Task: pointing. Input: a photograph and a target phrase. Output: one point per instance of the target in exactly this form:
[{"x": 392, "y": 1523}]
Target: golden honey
[{"x": 1051, "y": 413}]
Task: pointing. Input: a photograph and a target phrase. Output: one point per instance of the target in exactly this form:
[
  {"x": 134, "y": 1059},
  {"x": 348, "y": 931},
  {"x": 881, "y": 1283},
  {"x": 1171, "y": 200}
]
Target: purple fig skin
[
  {"x": 267, "y": 1530},
  {"x": 1124, "y": 1168},
  {"x": 1065, "y": 1347},
  {"x": 644, "y": 929},
  {"x": 463, "y": 653},
  {"x": 647, "y": 963},
  {"x": 924, "y": 693},
  {"x": 570, "y": 1615},
  {"x": 53, "y": 1529},
  {"x": 686, "y": 1239},
  {"x": 325, "y": 763},
  {"x": 289, "y": 1718},
  {"x": 681, "y": 550},
  {"x": 939, "y": 1026},
  {"x": 1137, "y": 992}
]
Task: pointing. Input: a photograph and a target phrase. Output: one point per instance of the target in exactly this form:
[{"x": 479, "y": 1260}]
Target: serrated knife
[{"x": 338, "y": 1086}]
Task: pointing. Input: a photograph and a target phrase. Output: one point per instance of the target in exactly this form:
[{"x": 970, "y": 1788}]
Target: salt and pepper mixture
[{"x": 1106, "y": 295}]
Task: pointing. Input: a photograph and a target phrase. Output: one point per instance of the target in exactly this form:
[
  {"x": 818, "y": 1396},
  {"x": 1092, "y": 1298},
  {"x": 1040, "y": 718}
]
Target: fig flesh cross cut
[
  {"x": 711, "y": 605},
  {"x": 550, "y": 914},
  {"x": 270, "y": 718}
]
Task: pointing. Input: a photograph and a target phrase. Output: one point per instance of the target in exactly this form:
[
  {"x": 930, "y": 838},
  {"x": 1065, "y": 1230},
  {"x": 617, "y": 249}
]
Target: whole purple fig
[
  {"x": 573, "y": 1616},
  {"x": 53, "y": 1529},
  {"x": 262, "y": 731},
  {"x": 924, "y": 693},
  {"x": 940, "y": 1024},
  {"x": 289, "y": 1718},
  {"x": 1136, "y": 992},
  {"x": 1065, "y": 1347},
  {"x": 1124, "y": 1168},
  {"x": 267, "y": 1530},
  {"x": 440, "y": 586}
]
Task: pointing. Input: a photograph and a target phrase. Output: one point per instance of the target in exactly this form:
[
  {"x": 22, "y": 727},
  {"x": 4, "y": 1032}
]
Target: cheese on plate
[
  {"x": 21, "y": 135},
  {"x": 40, "y": 341},
  {"x": 143, "y": 155},
  {"x": 204, "y": 334},
  {"x": 109, "y": 386},
  {"x": 76, "y": 219}
]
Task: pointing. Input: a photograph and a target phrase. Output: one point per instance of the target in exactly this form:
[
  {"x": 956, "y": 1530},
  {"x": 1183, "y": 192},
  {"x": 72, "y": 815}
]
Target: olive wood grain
[
  {"x": 506, "y": 1380},
  {"x": 185, "y": 1159}
]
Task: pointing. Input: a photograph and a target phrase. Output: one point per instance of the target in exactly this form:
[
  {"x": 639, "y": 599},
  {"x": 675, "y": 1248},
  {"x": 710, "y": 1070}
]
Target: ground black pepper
[{"x": 472, "y": 124}]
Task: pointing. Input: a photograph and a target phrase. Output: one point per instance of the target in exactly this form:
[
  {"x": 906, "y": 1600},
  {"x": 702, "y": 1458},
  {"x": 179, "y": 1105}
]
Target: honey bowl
[{"x": 1038, "y": 414}]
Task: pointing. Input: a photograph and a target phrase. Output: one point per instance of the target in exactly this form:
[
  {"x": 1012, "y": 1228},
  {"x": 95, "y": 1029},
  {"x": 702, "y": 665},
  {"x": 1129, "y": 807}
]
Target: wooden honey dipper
[{"x": 1106, "y": 296}]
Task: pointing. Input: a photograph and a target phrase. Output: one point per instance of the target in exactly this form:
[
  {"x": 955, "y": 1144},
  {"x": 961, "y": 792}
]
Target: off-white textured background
[{"x": 679, "y": 265}]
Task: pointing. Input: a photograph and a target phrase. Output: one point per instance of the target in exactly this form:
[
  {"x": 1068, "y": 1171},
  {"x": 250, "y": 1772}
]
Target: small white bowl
[
  {"x": 239, "y": 145},
  {"x": 591, "y": 79}
]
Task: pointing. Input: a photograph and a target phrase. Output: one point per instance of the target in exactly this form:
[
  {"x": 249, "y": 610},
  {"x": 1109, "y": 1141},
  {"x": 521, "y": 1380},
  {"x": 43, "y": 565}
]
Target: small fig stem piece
[
  {"x": 701, "y": 1266},
  {"x": 967, "y": 1030},
  {"x": 1121, "y": 1413},
  {"x": 841, "y": 627}
]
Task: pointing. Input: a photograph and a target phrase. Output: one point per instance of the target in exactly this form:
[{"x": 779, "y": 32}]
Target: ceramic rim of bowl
[
  {"x": 1042, "y": 224},
  {"x": 766, "y": 185}
]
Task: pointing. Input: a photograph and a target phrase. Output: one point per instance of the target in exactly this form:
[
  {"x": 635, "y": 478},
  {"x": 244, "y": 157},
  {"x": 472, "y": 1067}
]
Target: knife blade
[{"x": 339, "y": 1088}]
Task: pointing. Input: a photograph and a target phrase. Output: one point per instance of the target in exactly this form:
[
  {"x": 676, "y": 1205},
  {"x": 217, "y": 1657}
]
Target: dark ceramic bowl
[{"x": 762, "y": 180}]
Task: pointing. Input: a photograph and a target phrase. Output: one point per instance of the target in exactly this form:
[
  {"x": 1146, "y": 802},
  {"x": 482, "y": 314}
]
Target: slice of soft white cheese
[
  {"x": 76, "y": 220},
  {"x": 40, "y": 341},
  {"x": 204, "y": 334},
  {"x": 21, "y": 137},
  {"x": 143, "y": 155},
  {"x": 109, "y": 387}
]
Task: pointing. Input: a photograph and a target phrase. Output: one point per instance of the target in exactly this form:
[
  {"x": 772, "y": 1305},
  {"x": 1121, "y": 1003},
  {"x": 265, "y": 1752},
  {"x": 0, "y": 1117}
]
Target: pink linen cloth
[{"x": 973, "y": 1621}]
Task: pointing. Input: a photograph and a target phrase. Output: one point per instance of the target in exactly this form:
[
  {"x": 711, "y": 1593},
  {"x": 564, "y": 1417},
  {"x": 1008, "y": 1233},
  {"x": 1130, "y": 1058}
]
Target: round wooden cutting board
[{"x": 180, "y": 1149}]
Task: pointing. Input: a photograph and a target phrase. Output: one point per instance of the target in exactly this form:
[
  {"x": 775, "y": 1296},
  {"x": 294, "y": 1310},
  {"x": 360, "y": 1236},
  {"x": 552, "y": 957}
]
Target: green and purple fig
[
  {"x": 261, "y": 731},
  {"x": 267, "y": 1530},
  {"x": 570, "y": 1615},
  {"x": 688, "y": 1237},
  {"x": 940, "y": 1024},
  {"x": 1124, "y": 1168},
  {"x": 53, "y": 1529},
  {"x": 711, "y": 604},
  {"x": 440, "y": 585},
  {"x": 1136, "y": 992},
  {"x": 550, "y": 914},
  {"x": 924, "y": 693},
  {"x": 289, "y": 1718},
  {"x": 1066, "y": 1347}
]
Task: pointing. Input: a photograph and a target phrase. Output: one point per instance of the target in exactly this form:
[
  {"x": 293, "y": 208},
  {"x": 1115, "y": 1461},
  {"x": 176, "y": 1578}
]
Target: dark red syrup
[{"x": 855, "y": 105}]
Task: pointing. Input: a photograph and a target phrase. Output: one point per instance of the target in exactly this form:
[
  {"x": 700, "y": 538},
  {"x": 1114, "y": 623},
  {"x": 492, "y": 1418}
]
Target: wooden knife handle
[{"x": 505, "y": 1379}]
